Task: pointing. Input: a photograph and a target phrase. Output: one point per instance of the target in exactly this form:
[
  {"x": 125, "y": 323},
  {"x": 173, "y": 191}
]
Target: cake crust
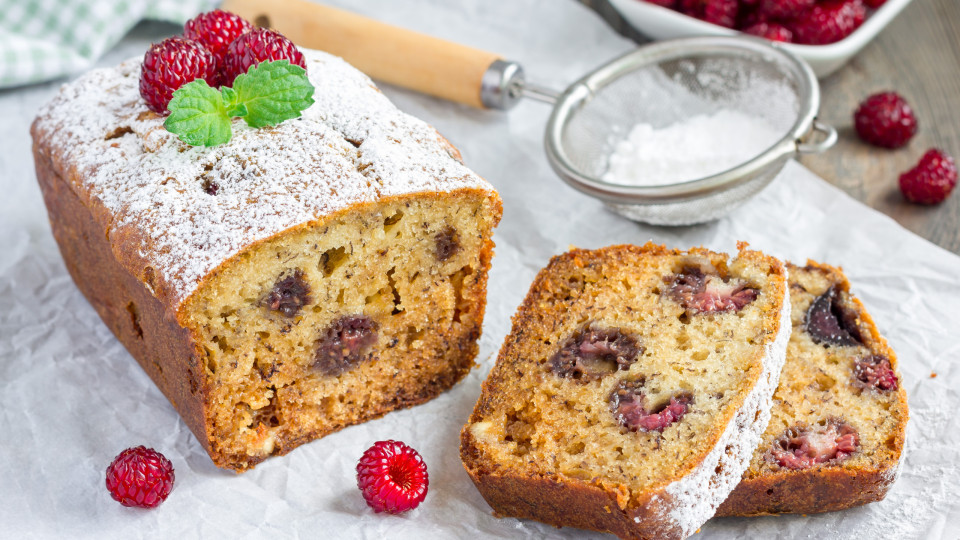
[
  {"x": 825, "y": 487},
  {"x": 673, "y": 508}
]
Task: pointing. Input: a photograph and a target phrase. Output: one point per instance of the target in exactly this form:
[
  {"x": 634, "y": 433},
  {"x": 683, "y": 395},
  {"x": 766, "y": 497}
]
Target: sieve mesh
[{"x": 674, "y": 89}]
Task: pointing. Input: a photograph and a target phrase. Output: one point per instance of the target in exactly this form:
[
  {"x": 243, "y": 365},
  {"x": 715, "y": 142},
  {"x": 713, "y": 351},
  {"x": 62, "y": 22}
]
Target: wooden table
[{"x": 918, "y": 55}]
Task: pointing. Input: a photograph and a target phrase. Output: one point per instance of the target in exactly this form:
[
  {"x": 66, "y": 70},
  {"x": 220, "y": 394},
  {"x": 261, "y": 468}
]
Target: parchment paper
[{"x": 71, "y": 397}]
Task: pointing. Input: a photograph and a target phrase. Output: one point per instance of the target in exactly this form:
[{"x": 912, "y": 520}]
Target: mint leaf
[
  {"x": 266, "y": 95},
  {"x": 273, "y": 92},
  {"x": 232, "y": 102},
  {"x": 198, "y": 115}
]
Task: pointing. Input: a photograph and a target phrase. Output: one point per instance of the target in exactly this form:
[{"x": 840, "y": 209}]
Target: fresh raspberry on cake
[
  {"x": 886, "y": 120},
  {"x": 140, "y": 477},
  {"x": 828, "y": 22},
  {"x": 874, "y": 3},
  {"x": 258, "y": 45},
  {"x": 392, "y": 477},
  {"x": 170, "y": 64},
  {"x": 216, "y": 30},
  {"x": 932, "y": 180}
]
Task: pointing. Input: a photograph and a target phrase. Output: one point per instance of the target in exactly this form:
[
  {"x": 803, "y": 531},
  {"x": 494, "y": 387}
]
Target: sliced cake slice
[
  {"x": 839, "y": 417},
  {"x": 632, "y": 389}
]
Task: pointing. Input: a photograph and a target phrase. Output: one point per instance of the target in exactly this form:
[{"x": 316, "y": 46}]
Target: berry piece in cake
[
  {"x": 140, "y": 477},
  {"x": 886, "y": 120},
  {"x": 801, "y": 446},
  {"x": 875, "y": 372},
  {"x": 345, "y": 344},
  {"x": 170, "y": 64},
  {"x": 628, "y": 404},
  {"x": 216, "y": 30},
  {"x": 707, "y": 293},
  {"x": 258, "y": 45},
  {"x": 932, "y": 180},
  {"x": 828, "y": 22},
  {"x": 874, "y": 3},
  {"x": 593, "y": 352},
  {"x": 828, "y": 322},
  {"x": 770, "y": 30},
  {"x": 448, "y": 243},
  {"x": 289, "y": 295},
  {"x": 785, "y": 9},
  {"x": 392, "y": 477}
]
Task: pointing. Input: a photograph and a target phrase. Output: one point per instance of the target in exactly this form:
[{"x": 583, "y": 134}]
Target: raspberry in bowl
[{"x": 836, "y": 25}]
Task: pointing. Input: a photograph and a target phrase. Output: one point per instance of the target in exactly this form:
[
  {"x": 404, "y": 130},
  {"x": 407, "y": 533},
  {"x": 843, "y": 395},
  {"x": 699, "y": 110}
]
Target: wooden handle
[{"x": 386, "y": 53}]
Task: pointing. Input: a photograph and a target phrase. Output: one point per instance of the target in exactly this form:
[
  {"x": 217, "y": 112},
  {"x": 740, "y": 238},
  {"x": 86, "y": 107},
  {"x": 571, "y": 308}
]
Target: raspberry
[
  {"x": 932, "y": 180},
  {"x": 258, "y": 45},
  {"x": 771, "y": 31},
  {"x": 170, "y": 64},
  {"x": 874, "y": 371},
  {"x": 720, "y": 12},
  {"x": 289, "y": 294},
  {"x": 828, "y": 22},
  {"x": 785, "y": 9},
  {"x": 628, "y": 404},
  {"x": 392, "y": 477},
  {"x": 216, "y": 30},
  {"x": 802, "y": 446},
  {"x": 874, "y": 3},
  {"x": 701, "y": 293},
  {"x": 886, "y": 120},
  {"x": 830, "y": 322},
  {"x": 594, "y": 351},
  {"x": 140, "y": 477}
]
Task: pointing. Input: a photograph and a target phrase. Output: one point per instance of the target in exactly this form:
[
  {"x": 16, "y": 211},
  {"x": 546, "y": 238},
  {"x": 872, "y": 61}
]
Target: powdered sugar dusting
[
  {"x": 185, "y": 210},
  {"x": 696, "y": 497}
]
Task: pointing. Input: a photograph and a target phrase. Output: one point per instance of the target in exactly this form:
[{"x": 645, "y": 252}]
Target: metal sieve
[{"x": 658, "y": 84}]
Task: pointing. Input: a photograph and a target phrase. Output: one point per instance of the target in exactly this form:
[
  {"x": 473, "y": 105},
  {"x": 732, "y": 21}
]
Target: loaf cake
[
  {"x": 299, "y": 279},
  {"x": 839, "y": 416},
  {"x": 632, "y": 389}
]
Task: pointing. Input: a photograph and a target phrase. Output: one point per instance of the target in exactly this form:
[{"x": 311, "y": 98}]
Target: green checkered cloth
[{"x": 45, "y": 39}]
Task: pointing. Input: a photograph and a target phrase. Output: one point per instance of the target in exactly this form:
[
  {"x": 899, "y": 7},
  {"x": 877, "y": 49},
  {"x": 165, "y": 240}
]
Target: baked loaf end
[
  {"x": 296, "y": 280},
  {"x": 839, "y": 416},
  {"x": 632, "y": 389}
]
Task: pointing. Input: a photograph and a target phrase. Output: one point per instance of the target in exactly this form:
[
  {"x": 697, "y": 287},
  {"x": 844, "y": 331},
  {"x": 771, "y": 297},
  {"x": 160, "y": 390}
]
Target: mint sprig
[{"x": 266, "y": 95}]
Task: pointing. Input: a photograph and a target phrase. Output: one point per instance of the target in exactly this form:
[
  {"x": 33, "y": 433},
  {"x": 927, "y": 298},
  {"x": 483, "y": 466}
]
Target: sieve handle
[
  {"x": 394, "y": 55},
  {"x": 828, "y": 138}
]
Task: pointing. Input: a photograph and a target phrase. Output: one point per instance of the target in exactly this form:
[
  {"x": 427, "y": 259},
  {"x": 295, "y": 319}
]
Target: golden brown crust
[
  {"x": 585, "y": 506},
  {"x": 826, "y": 488},
  {"x": 167, "y": 352},
  {"x": 596, "y": 505}
]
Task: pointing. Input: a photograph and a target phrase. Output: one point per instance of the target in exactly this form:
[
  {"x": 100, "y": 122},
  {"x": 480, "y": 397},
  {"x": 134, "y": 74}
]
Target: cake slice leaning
[
  {"x": 632, "y": 389},
  {"x": 839, "y": 417}
]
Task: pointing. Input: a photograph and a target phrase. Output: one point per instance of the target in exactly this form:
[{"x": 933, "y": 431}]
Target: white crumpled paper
[{"x": 72, "y": 398}]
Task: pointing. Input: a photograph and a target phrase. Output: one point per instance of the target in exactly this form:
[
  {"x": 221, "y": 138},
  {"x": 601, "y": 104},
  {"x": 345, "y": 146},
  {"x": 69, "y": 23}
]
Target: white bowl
[{"x": 661, "y": 23}]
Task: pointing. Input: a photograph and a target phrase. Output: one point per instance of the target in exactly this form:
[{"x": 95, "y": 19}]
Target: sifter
[{"x": 660, "y": 84}]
